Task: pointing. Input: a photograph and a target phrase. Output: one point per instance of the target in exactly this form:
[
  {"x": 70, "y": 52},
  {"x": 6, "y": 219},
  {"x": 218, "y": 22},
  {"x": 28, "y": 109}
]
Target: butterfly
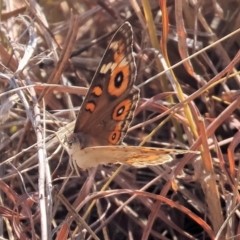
[{"x": 108, "y": 110}]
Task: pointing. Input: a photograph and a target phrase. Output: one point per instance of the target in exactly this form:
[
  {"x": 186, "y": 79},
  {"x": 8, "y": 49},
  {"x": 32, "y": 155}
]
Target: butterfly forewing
[{"x": 112, "y": 98}]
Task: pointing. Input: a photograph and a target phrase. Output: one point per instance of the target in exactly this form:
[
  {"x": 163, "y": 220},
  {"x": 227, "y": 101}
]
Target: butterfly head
[
  {"x": 79, "y": 141},
  {"x": 75, "y": 144}
]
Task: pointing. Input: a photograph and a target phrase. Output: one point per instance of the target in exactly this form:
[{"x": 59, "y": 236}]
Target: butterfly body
[{"x": 108, "y": 110}]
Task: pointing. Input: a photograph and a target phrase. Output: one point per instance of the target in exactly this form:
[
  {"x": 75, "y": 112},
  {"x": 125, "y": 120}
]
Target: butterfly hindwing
[{"x": 129, "y": 155}]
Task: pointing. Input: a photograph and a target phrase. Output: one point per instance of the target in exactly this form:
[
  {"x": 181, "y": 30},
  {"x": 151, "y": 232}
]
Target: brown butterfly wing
[
  {"x": 109, "y": 105},
  {"x": 129, "y": 155}
]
